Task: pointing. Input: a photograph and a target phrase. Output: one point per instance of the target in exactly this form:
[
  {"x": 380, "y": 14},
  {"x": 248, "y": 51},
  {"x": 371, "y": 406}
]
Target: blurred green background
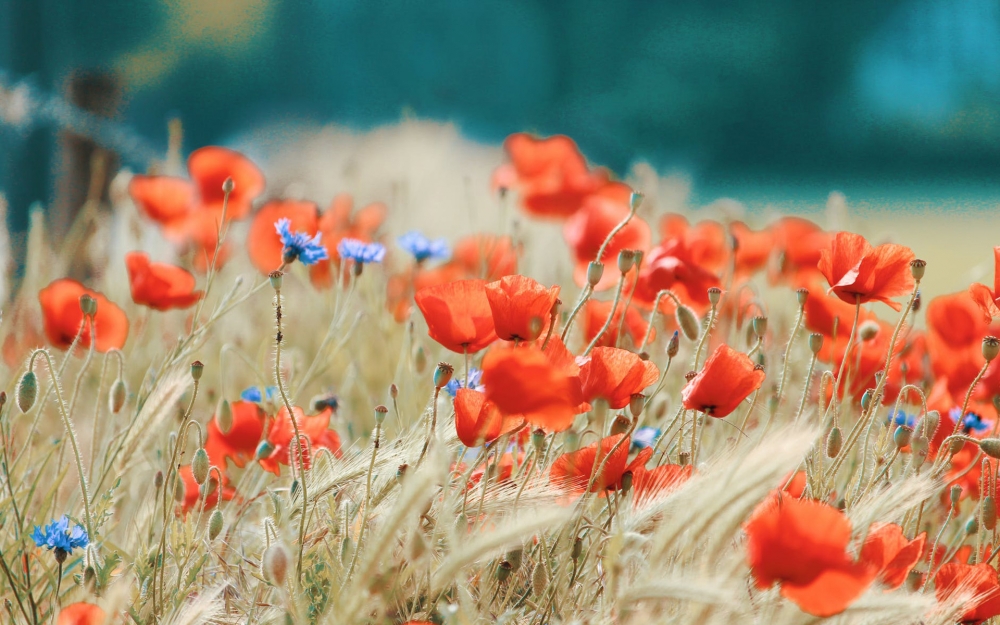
[{"x": 763, "y": 101}]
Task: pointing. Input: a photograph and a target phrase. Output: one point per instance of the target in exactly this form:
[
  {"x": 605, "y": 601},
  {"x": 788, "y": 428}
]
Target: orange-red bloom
[
  {"x": 479, "y": 421},
  {"x": 987, "y": 300},
  {"x": 660, "y": 480},
  {"x": 955, "y": 331},
  {"x": 614, "y": 375},
  {"x": 485, "y": 256},
  {"x": 595, "y": 314},
  {"x": 727, "y": 378},
  {"x": 802, "y": 544},
  {"x": 81, "y": 614},
  {"x": 263, "y": 243},
  {"x": 192, "y": 491},
  {"x": 458, "y": 315},
  {"x": 687, "y": 261},
  {"x": 752, "y": 248},
  {"x": 798, "y": 244},
  {"x": 889, "y": 551},
  {"x": 524, "y": 381},
  {"x": 574, "y": 470},
  {"x": 521, "y": 307},
  {"x": 63, "y": 317},
  {"x": 313, "y": 429},
  {"x": 239, "y": 444},
  {"x": 159, "y": 285},
  {"x": 858, "y": 272},
  {"x": 979, "y": 582}
]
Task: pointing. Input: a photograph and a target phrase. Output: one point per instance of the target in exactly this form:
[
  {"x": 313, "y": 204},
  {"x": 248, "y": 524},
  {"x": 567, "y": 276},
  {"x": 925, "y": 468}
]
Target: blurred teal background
[{"x": 897, "y": 98}]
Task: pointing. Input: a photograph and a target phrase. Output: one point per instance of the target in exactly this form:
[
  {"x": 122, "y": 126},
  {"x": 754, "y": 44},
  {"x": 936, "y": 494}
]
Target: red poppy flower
[
  {"x": 458, "y": 315},
  {"x": 81, "y": 614},
  {"x": 705, "y": 242},
  {"x": 595, "y": 314},
  {"x": 687, "y": 261},
  {"x": 752, "y": 248},
  {"x": 987, "y": 300},
  {"x": 798, "y": 244},
  {"x": 587, "y": 229},
  {"x": 336, "y": 224},
  {"x": 551, "y": 175},
  {"x": 263, "y": 243},
  {"x": 832, "y": 318},
  {"x": 400, "y": 287},
  {"x": 727, "y": 378},
  {"x": 889, "y": 551},
  {"x": 486, "y": 256},
  {"x": 661, "y": 480},
  {"x": 573, "y": 471},
  {"x": 478, "y": 421},
  {"x": 978, "y": 582},
  {"x": 192, "y": 491},
  {"x": 858, "y": 272},
  {"x": 159, "y": 285},
  {"x": 315, "y": 429},
  {"x": 795, "y": 486},
  {"x": 614, "y": 375},
  {"x": 239, "y": 444},
  {"x": 955, "y": 331},
  {"x": 519, "y": 302},
  {"x": 802, "y": 544},
  {"x": 524, "y": 381},
  {"x": 62, "y": 317}
]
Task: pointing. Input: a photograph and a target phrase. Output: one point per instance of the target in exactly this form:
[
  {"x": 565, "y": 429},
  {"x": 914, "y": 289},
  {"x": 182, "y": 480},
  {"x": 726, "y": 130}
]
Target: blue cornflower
[
  {"x": 901, "y": 418},
  {"x": 361, "y": 252},
  {"x": 475, "y": 375},
  {"x": 58, "y": 536},
  {"x": 298, "y": 245},
  {"x": 971, "y": 422},
  {"x": 254, "y": 394},
  {"x": 645, "y": 437},
  {"x": 423, "y": 248}
]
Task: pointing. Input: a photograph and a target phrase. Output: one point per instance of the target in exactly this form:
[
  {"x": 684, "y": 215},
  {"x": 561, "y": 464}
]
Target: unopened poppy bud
[
  {"x": 955, "y": 494},
  {"x": 673, "y": 345},
  {"x": 538, "y": 440},
  {"x": 915, "y": 306},
  {"x": 626, "y": 482},
  {"x": 971, "y": 526},
  {"x": 991, "y": 347},
  {"x": 815, "y": 342},
  {"x": 638, "y": 254},
  {"x": 917, "y": 267},
  {"x": 514, "y": 557},
  {"x": 401, "y": 471},
  {"x": 420, "y": 360},
  {"x": 802, "y": 295},
  {"x": 275, "y": 278},
  {"x": 901, "y": 437},
  {"x": 539, "y": 580},
  {"x": 620, "y": 425},
  {"x": 990, "y": 447},
  {"x": 442, "y": 375},
  {"x": 931, "y": 420},
  {"x": 866, "y": 399},
  {"x": 393, "y": 391},
  {"x": 684, "y": 458},
  {"x": 380, "y": 412},
  {"x": 116, "y": 396},
  {"x": 626, "y": 259},
  {"x": 224, "y": 416},
  {"x": 714, "y": 295},
  {"x": 503, "y": 571},
  {"x": 595, "y": 271},
  {"x": 27, "y": 391},
  {"x": 834, "y": 442},
  {"x": 955, "y": 446},
  {"x": 989, "y": 511},
  {"x": 179, "y": 490},
  {"x": 760, "y": 326},
  {"x": 274, "y": 564},
  {"x": 158, "y": 480},
  {"x": 554, "y": 311},
  {"x": 197, "y": 368},
  {"x": 868, "y": 330},
  {"x": 264, "y": 450},
  {"x": 199, "y": 466},
  {"x": 919, "y": 444},
  {"x": 214, "y": 524},
  {"x": 636, "y": 403},
  {"x": 577, "y": 548},
  {"x": 687, "y": 321},
  {"x": 88, "y": 305}
]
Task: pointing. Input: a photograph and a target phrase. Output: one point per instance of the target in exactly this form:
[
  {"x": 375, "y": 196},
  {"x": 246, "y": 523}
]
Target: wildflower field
[{"x": 225, "y": 403}]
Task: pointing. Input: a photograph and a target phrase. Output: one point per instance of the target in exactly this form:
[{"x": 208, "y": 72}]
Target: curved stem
[{"x": 611, "y": 316}]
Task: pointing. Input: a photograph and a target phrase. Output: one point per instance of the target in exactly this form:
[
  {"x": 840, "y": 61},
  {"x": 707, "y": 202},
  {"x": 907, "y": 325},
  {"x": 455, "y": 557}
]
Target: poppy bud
[
  {"x": 931, "y": 419},
  {"x": 688, "y": 322},
  {"x": 274, "y": 564},
  {"x": 224, "y": 416},
  {"x": 802, "y": 295},
  {"x": 420, "y": 360},
  {"x": 866, "y": 399},
  {"x": 760, "y": 326},
  {"x": 179, "y": 490},
  {"x": 620, "y": 425},
  {"x": 380, "y": 412},
  {"x": 116, "y": 396},
  {"x": 264, "y": 449},
  {"x": 539, "y": 580},
  {"x": 989, "y": 510},
  {"x": 199, "y": 466},
  {"x": 901, "y": 437},
  {"x": 626, "y": 259},
  {"x": 635, "y": 201},
  {"x": 834, "y": 442},
  {"x": 636, "y": 403},
  {"x": 197, "y": 368},
  {"x": 684, "y": 458},
  {"x": 554, "y": 311},
  {"x": 714, "y": 294},
  {"x": 393, "y": 391},
  {"x": 955, "y": 446},
  {"x": 673, "y": 345},
  {"x": 990, "y": 447},
  {"x": 916, "y": 302},
  {"x": 956, "y": 495},
  {"x": 971, "y": 526},
  {"x": 868, "y": 330},
  {"x": 917, "y": 267},
  {"x": 228, "y": 185},
  {"x": 27, "y": 391},
  {"x": 503, "y": 571},
  {"x": 442, "y": 375},
  {"x": 626, "y": 482},
  {"x": 158, "y": 480},
  {"x": 514, "y": 557},
  {"x": 595, "y": 271},
  {"x": 88, "y": 305},
  {"x": 214, "y": 524},
  {"x": 275, "y": 278},
  {"x": 991, "y": 347},
  {"x": 577, "y": 549},
  {"x": 538, "y": 440},
  {"x": 638, "y": 256}
]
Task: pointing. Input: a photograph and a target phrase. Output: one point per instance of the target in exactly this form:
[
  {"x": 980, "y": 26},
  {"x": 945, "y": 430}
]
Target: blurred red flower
[
  {"x": 573, "y": 471},
  {"x": 614, "y": 375},
  {"x": 458, "y": 315},
  {"x": 979, "y": 582},
  {"x": 263, "y": 243},
  {"x": 798, "y": 244},
  {"x": 595, "y": 314},
  {"x": 986, "y": 299},
  {"x": 727, "y": 378},
  {"x": 524, "y": 381},
  {"x": 891, "y": 553},
  {"x": 62, "y": 317},
  {"x": 479, "y": 421},
  {"x": 239, "y": 444},
  {"x": 518, "y": 303},
  {"x": 81, "y": 614},
  {"x": 160, "y": 286},
  {"x": 314, "y": 429}
]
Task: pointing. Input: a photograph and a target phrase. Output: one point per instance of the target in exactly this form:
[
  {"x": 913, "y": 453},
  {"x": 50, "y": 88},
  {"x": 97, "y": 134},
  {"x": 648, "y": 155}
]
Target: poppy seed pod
[
  {"x": 275, "y": 278},
  {"x": 27, "y": 391},
  {"x": 990, "y": 447},
  {"x": 224, "y": 416},
  {"x": 595, "y": 271},
  {"x": 197, "y": 368},
  {"x": 917, "y": 267},
  {"x": 264, "y": 449},
  {"x": 380, "y": 412},
  {"x": 991, "y": 347},
  {"x": 901, "y": 437},
  {"x": 214, "y": 524},
  {"x": 919, "y": 445},
  {"x": 815, "y": 342},
  {"x": 228, "y": 185},
  {"x": 199, "y": 466},
  {"x": 274, "y": 564},
  {"x": 714, "y": 295},
  {"x": 684, "y": 458},
  {"x": 88, "y": 305},
  {"x": 636, "y": 403},
  {"x": 401, "y": 471},
  {"x": 538, "y": 440},
  {"x": 620, "y": 425},
  {"x": 442, "y": 375},
  {"x": 635, "y": 200},
  {"x": 834, "y": 442},
  {"x": 989, "y": 511},
  {"x": 866, "y": 399},
  {"x": 116, "y": 396},
  {"x": 577, "y": 550},
  {"x": 802, "y": 295},
  {"x": 626, "y": 260},
  {"x": 503, "y": 571},
  {"x": 688, "y": 322},
  {"x": 760, "y": 326},
  {"x": 673, "y": 345}
]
